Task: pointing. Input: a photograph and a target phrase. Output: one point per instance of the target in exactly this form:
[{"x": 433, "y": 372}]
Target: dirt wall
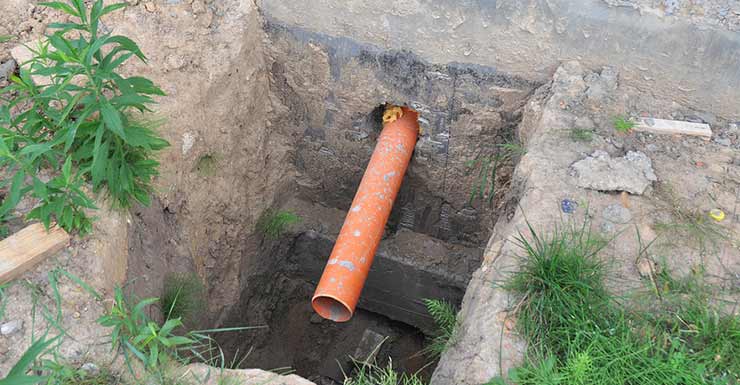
[{"x": 682, "y": 51}]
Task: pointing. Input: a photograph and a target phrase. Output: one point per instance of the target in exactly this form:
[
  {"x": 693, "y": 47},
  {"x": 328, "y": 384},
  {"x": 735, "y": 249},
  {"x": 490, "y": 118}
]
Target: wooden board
[
  {"x": 24, "y": 249},
  {"x": 662, "y": 126}
]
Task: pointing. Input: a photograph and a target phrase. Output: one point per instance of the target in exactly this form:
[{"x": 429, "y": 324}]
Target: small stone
[
  {"x": 616, "y": 213},
  {"x": 607, "y": 227},
  {"x": 7, "y": 69},
  {"x": 568, "y": 206},
  {"x": 369, "y": 346},
  {"x": 723, "y": 141},
  {"x": 733, "y": 128},
  {"x": 90, "y": 368},
  {"x": 150, "y": 7},
  {"x": 11, "y": 327},
  {"x": 76, "y": 315}
]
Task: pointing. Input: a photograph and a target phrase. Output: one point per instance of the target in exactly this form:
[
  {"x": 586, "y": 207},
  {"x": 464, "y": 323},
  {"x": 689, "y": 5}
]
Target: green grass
[
  {"x": 4, "y": 38},
  {"x": 687, "y": 225},
  {"x": 368, "y": 374},
  {"x": 623, "y": 124},
  {"x": 581, "y": 134},
  {"x": 158, "y": 347},
  {"x": 484, "y": 187},
  {"x": 274, "y": 223},
  {"x": 184, "y": 297},
  {"x": 65, "y": 374},
  {"x": 445, "y": 318},
  {"x": 578, "y": 333}
]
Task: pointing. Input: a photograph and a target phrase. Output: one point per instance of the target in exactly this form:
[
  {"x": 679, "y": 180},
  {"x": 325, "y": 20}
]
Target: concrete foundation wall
[{"x": 677, "y": 51}]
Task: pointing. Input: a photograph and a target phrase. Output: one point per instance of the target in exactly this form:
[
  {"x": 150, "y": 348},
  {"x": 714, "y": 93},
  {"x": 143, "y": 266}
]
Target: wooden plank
[
  {"x": 24, "y": 249},
  {"x": 662, "y": 126}
]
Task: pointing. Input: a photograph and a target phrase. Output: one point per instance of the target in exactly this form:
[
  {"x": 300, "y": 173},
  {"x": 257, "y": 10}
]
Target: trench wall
[{"x": 682, "y": 51}]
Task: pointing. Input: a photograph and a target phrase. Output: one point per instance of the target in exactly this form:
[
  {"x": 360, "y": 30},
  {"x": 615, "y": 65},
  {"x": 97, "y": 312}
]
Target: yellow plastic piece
[
  {"x": 717, "y": 214},
  {"x": 392, "y": 113}
]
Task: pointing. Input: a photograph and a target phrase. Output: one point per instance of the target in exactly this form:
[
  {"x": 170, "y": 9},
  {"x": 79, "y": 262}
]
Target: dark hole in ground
[
  {"x": 436, "y": 234},
  {"x": 430, "y": 250},
  {"x": 313, "y": 347}
]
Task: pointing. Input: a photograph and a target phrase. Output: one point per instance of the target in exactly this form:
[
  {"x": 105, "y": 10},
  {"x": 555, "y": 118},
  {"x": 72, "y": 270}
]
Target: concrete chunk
[
  {"x": 632, "y": 173},
  {"x": 369, "y": 346}
]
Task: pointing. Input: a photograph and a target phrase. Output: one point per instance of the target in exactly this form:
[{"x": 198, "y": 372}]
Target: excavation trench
[{"x": 327, "y": 97}]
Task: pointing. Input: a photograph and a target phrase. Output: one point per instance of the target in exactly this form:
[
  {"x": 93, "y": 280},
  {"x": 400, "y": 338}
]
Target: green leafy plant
[
  {"x": 274, "y": 223},
  {"x": 79, "y": 118},
  {"x": 18, "y": 374},
  {"x": 623, "y": 125},
  {"x": 137, "y": 334},
  {"x": 183, "y": 296},
  {"x": 154, "y": 345},
  {"x": 4, "y": 38},
  {"x": 445, "y": 317}
]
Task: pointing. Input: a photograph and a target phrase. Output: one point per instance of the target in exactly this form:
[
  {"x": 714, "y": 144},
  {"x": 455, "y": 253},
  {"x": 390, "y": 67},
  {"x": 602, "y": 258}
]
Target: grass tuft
[
  {"x": 368, "y": 374},
  {"x": 578, "y": 333},
  {"x": 559, "y": 272},
  {"x": 184, "y": 297},
  {"x": 274, "y": 223}
]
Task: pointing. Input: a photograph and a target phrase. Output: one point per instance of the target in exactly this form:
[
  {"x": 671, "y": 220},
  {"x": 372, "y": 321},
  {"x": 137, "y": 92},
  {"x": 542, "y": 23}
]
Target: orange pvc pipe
[{"x": 344, "y": 276}]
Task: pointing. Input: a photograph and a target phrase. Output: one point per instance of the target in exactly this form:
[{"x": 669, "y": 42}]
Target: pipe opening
[{"x": 331, "y": 308}]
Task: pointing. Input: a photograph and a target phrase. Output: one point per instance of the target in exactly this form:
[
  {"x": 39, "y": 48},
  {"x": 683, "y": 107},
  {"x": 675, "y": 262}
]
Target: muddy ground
[{"x": 263, "y": 114}]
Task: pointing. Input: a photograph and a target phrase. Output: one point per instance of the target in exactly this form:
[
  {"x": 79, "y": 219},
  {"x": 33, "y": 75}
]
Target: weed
[
  {"x": 18, "y": 373},
  {"x": 78, "y": 121},
  {"x": 4, "y": 38},
  {"x": 137, "y": 335},
  {"x": 579, "y": 334},
  {"x": 488, "y": 166},
  {"x": 274, "y": 223},
  {"x": 445, "y": 317},
  {"x": 559, "y": 270},
  {"x": 369, "y": 374},
  {"x": 623, "y": 125},
  {"x": 183, "y": 296},
  {"x": 581, "y": 134},
  {"x": 64, "y": 374},
  {"x": 41, "y": 357}
]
